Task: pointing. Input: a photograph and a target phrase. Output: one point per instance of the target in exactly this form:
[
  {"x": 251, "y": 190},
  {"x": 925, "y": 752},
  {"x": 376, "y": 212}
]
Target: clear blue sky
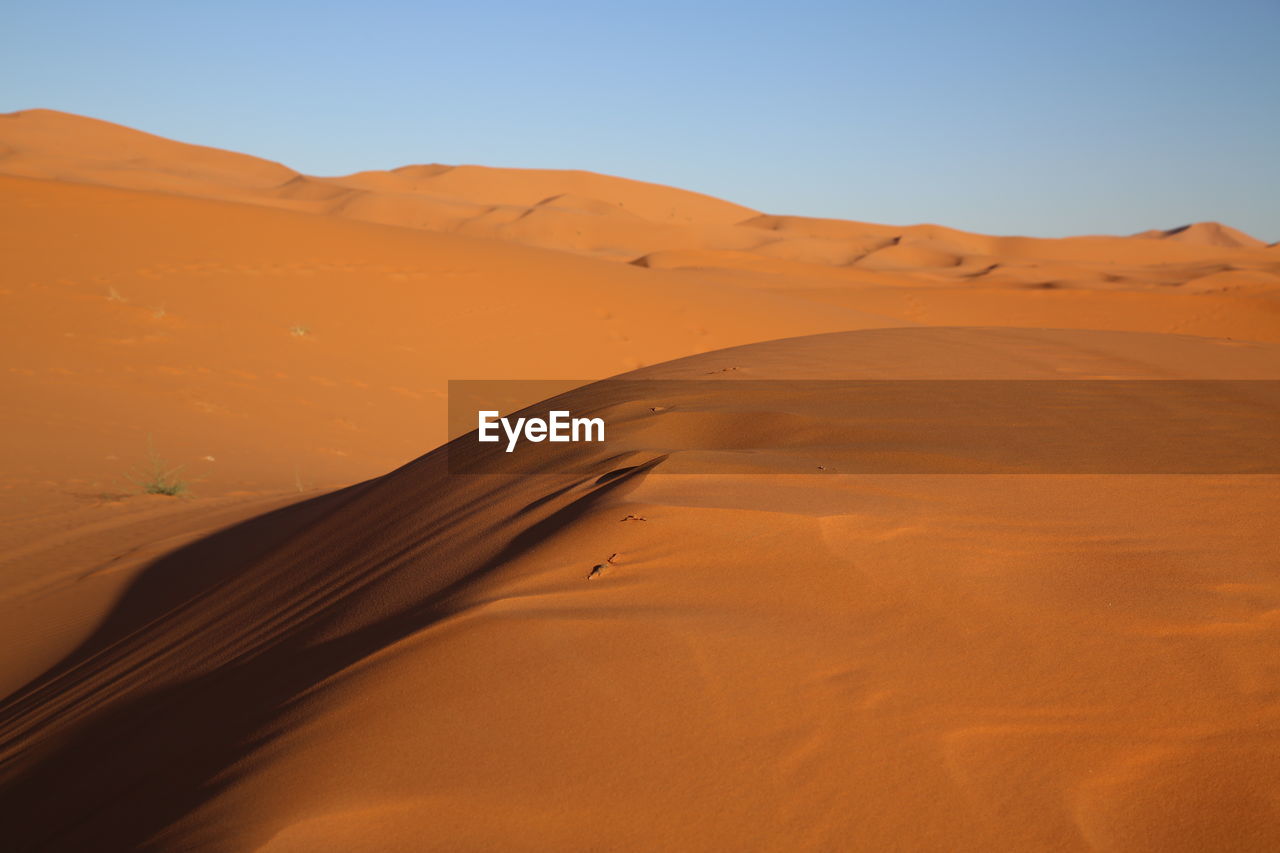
[{"x": 1031, "y": 117}]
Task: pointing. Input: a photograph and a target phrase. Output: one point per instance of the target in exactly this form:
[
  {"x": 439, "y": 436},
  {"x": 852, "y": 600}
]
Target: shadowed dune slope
[{"x": 796, "y": 662}]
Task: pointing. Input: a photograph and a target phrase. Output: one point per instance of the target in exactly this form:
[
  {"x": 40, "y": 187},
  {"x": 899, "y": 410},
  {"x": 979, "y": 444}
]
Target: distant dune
[
  {"x": 275, "y": 341},
  {"x": 583, "y": 212},
  {"x": 1207, "y": 234},
  {"x": 474, "y": 199},
  {"x": 308, "y": 653}
]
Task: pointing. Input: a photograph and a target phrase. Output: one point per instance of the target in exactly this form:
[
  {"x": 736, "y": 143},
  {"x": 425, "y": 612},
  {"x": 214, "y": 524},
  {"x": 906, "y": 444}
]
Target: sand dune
[
  {"x": 587, "y": 213},
  {"x": 226, "y": 331},
  {"x": 1207, "y": 234},
  {"x": 531, "y": 187},
  {"x": 49, "y": 144},
  {"x": 809, "y": 662},
  {"x": 296, "y": 348},
  {"x": 815, "y": 661},
  {"x": 264, "y": 349},
  {"x": 902, "y": 256}
]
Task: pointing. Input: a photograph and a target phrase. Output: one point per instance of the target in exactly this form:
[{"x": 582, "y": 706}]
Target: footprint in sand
[{"x": 598, "y": 568}]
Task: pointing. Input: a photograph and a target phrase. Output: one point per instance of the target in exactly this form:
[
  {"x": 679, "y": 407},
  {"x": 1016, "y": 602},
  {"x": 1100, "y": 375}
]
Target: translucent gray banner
[{"x": 742, "y": 426}]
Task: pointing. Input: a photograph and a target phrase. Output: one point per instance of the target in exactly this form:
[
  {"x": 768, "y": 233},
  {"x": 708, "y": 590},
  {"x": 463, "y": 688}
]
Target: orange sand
[{"x": 419, "y": 662}]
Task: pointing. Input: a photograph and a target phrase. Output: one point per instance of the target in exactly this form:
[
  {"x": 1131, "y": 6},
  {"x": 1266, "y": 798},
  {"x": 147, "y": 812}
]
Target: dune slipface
[{"x": 780, "y": 661}]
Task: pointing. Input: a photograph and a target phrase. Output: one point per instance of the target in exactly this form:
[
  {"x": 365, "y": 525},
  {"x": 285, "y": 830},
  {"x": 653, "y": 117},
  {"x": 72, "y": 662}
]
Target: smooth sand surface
[{"x": 286, "y": 661}]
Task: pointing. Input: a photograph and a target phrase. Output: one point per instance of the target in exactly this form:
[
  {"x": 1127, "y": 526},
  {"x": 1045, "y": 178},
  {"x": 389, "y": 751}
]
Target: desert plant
[{"x": 155, "y": 477}]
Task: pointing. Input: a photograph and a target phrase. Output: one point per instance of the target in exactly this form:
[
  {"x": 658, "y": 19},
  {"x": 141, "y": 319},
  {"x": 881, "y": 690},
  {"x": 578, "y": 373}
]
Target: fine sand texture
[
  {"x": 304, "y": 652},
  {"x": 774, "y": 661}
]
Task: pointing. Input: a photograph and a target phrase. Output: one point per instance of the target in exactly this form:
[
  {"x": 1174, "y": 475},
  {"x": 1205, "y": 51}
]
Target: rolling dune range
[
  {"x": 420, "y": 662},
  {"x": 160, "y": 307}
]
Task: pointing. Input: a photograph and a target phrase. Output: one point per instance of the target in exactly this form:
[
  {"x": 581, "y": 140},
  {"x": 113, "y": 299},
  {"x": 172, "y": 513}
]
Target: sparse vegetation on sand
[{"x": 155, "y": 477}]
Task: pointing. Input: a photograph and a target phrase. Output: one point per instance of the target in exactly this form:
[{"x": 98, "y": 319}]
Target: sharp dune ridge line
[{"x": 313, "y": 654}]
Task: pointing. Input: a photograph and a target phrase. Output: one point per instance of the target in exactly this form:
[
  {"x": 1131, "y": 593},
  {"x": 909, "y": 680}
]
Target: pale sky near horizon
[{"x": 1001, "y": 117}]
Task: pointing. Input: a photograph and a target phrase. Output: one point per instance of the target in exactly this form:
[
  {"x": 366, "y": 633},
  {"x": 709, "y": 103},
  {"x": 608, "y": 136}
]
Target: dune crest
[
  {"x": 1207, "y": 234},
  {"x": 960, "y": 651},
  {"x": 52, "y": 145},
  {"x": 49, "y": 144},
  {"x": 583, "y": 212},
  {"x": 626, "y": 652}
]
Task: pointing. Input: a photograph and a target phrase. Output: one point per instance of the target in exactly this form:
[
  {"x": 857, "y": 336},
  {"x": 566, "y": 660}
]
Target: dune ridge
[
  {"x": 1207, "y": 234},
  {"x": 459, "y": 627},
  {"x": 583, "y": 212},
  {"x": 309, "y": 653},
  {"x": 227, "y": 332}
]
